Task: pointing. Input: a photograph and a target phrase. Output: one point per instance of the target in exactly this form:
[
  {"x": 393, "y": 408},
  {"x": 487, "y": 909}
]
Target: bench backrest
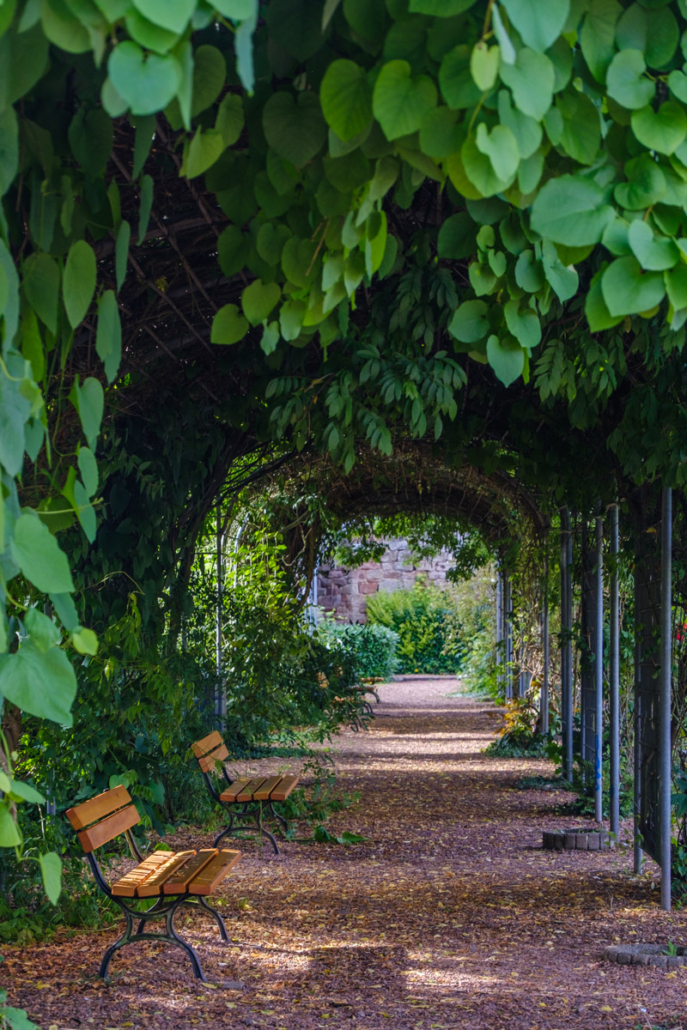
[
  {"x": 103, "y": 817},
  {"x": 210, "y": 750}
]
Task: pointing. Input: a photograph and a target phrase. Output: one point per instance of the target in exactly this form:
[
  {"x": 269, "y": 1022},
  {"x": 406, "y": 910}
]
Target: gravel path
[{"x": 449, "y": 916}]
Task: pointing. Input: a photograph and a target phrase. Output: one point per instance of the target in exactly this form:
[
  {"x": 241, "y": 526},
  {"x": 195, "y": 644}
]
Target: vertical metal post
[
  {"x": 614, "y": 676},
  {"x": 544, "y": 695},
  {"x": 665, "y": 707},
  {"x": 508, "y": 615},
  {"x": 639, "y": 594},
  {"x": 220, "y": 695},
  {"x": 566, "y": 643},
  {"x": 500, "y": 634},
  {"x": 598, "y": 672}
]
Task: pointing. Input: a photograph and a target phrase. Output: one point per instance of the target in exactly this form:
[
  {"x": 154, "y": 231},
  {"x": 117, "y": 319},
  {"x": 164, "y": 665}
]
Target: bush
[
  {"x": 424, "y": 619},
  {"x": 372, "y": 648}
]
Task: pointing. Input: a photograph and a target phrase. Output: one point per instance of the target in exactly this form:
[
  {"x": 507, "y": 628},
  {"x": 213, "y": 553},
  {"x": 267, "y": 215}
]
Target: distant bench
[
  {"x": 246, "y": 800},
  {"x": 182, "y": 878}
]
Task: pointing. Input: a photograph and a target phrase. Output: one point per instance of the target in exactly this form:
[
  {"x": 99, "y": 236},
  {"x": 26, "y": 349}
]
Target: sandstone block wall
[{"x": 345, "y": 592}]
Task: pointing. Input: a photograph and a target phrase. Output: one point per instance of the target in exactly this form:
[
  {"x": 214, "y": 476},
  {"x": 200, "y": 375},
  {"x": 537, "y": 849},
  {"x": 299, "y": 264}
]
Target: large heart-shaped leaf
[
  {"x": 629, "y": 291},
  {"x": 539, "y": 23},
  {"x": 147, "y": 82},
  {"x": 258, "y": 300},
  {"x": 78, "y": 282},
  {"x": 346, "y": 98},
  {"x": 170, "y": 14},
  {"x": 531, "y": 80},
  {"x": 506, "y": 357},
  {"x": 625, "y": 80},
  {"x": 294, "y": 128},
  {"x": 400, "y": 101},
  {"x": 662, "y": 130},
  {"x": 571, "y": 210}
]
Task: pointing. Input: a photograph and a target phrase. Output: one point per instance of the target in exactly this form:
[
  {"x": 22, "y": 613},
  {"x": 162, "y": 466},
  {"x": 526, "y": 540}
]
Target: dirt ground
[{"x": 449, "y": 916}]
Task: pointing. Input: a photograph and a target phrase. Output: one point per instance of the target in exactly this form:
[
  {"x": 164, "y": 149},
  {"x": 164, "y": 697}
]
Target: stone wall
[{"x": 345, "y": 592}]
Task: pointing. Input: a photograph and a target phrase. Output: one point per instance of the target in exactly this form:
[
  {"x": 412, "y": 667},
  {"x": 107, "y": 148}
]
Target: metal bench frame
[
  {"x": 246, "y": 810},
  {"x": 165, "y": 907}
]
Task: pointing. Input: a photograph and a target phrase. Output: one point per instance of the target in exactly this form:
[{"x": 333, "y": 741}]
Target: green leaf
[
  {"x": 571, "y": 210},
  {"x": 298, "y": 261},
  {"x": 26, "y": 792},
  {"x": 484, "y": 65},
  {"x": 9, "y": 148},
  {"x": 531, "y": 80},
  {"x": 270, "y": 241},
  {"x": 243, "y": 42},
  {"x": 539, "y": 24},
  {"x": 662, "y": 130},
  {"x": 85, "y": 641},
  {"x": 291, "y": 319},
  {"x": 294, "y": 128},
  {"x": 108, "y": 340},
  {"x": 501, "y": 147},
  {"x": 85, "y": 511},
  {"x": 656, "y": 34},
  {"x": 469, "y": 323},
  {"x": 296, "y": 25},
  {"x": 149, "y": 35},
  {"x": 654, "y": 253},
  {"x": 122, "y": 252},
  {"x": 41, "y": 285},
  {"x": 89, "y": 401},
  {"x": 506, "y": 357},
  {"x": 346, "y": 98},
  {"x": 598, "y": 316},
  {"x": 457, "y": 237},
  {"x": 529, "y": 273},
  {"x": 457, "y": 85},
  {"x": 563, "y": 281},
  {"x": 676, "y": 285},
  {"x": 42, "y": 630},
  {"x": 507, "y": 48},
  {"x": 209, "y": 74},
  {"x": 440, "y": 8},
  {"x": 201, "y": 153},
  {"x": 597, "y": 37},
  {"x": 51, "y": 871},
  {"x": 270, "y": 338},
  {"x": 39, "y": 557},
  {"x": 258, "y": 301},
  {"x": 147, "y": 188},
  {"x": 230, "y": 119},
  {"x": 147, "y": 82},
  {"x": 524, "y": 325},
  {"x": 63, "y": 29},
  {"x": 232, "y": 250},
  {"x": 228, "y": 326},
  {"x": 627, "y": 290},
  {"x": 88, "y": 467},
  {"x": 90, "y": 138},
  {"x": 145, "y": 131},
  {"x": 237, "y": 10},
  {"x": 440, "y": 132},
  {"x": 646, "y": 185},
  {"x": 581, "y": 129},
  {"x": 400, "y": 101},
  {"x": 626, "y": 82},
  {"x": 66, "y": 610},
  {"x": 170, "y": 14},
  {"x": 480, "y": 170},
  {"x": 528, "y": 132},
  {"x": 9, "y": 837},
  {"x": 78, "y": 282}
]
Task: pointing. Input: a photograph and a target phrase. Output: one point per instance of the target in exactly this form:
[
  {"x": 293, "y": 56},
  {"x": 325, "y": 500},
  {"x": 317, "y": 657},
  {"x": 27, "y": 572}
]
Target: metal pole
[
  {"x": 508, "y": 606},
  {"x": 499, "y": 628},
  {"x": 566, "y": 643},
  {"x": 599, "y": 673},
  {"x": 220, "y": 697},
  {"x": 544, "y": 697},
  {"x": 615, "y": 679},
  {"x": 665, "y": 749},
  {"x": 638, "y": 718}
]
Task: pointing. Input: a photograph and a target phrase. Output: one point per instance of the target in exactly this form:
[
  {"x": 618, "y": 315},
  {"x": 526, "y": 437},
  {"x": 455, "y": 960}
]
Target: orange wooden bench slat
[
  {"x": 284, "y": 789},
  {"x": 179, "y": 880},
  {"x": 235, "y": 788},
  {"x": 126, "y": 886},
  {"x": 81, "y": 816},
  {"x": 250, "y": 788},
  {"x": 208, "y": 762},
  {"x": 152, "y": 885},
  {"x": 266, "y": 788},
  {"x": 214, "y": 872},
  {"x": 209, "y": 743},
  {"x": 108, "y": 828}
]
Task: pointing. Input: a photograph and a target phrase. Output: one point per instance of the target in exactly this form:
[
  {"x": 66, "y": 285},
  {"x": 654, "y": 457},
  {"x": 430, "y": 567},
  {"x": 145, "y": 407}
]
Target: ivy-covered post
[
  {"x": 500, "y": 630},
  {"x": 665, "y": 703},
  {"x": 508, "y": 617},
  {"x": 566, "y": 641},
  {"x": 220, "y": 692},
  {"x": 614, "y": 676},
  {"x": 597, "y": 648},
  {"x": 544, "y": 695}
]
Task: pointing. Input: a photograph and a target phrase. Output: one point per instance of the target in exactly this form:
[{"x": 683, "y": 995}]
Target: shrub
[
  {"x": 424, "y": 619},
  {"x": 372, "y": 647}
]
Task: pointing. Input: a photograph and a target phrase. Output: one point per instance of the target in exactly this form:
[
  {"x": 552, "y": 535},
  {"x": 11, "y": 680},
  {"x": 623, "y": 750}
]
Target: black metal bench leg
[
  {"x": 216, "y": 916},
  {"x": 174, "y": 938},
  {"x": 170, "y": 937},
  {"x": 142, "y": 923},
  {"x": 278, "y": 817},
  {"x": 227, "y": 830},
  {"x": 119, "y": 943}
]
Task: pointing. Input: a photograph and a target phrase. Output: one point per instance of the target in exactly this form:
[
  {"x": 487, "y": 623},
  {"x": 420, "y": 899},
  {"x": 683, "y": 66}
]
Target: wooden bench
[
  {"x": 246, "y": 800},
  {"x": 174, "y": 879}
]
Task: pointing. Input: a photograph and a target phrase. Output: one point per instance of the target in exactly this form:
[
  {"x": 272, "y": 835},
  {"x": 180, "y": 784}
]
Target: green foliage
[
  {"x": 421, "y": 617},
  {"x": 373, "y": 647}
]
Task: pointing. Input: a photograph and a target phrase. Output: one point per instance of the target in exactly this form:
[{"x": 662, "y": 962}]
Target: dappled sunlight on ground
[{"x": 450, "y": 915}]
